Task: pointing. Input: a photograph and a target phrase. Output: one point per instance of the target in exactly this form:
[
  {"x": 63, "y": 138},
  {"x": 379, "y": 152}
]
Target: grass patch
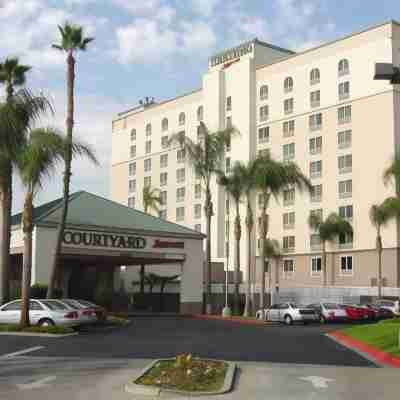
[
  {"x": 56, "y": 330},
  {"x": 384, "y": 336},
  {"x": 111, "y": 319},
  {"x": 391, "y": 321},
  {"x": 186, "y": 374}
]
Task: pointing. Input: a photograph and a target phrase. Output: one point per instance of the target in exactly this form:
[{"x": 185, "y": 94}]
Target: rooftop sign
[{"x": 232, "y": 54}]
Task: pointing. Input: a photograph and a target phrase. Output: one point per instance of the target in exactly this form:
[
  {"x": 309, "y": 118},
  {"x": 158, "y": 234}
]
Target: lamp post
[{"x": 226, "y": 312}]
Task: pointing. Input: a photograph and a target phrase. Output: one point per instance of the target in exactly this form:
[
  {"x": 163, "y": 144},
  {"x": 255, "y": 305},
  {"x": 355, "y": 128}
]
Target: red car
[
  {"x": 370, "y": 313},
  {"x": 355, "y": 313}
]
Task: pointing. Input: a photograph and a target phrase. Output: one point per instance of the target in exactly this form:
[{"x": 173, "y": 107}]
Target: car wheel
[
  {"x": 322, "y": 319},
  {"x": 46, "y": 322},
  {"x": 288, "y": 320}
]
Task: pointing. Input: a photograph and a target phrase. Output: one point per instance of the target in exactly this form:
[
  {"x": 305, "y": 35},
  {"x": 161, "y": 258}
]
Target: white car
[
  {"x": 41, "y": 312},
  {"x": 329, "y": 312},
  {"x": 86, "y": 315},
  {"x": 288, "y": 313},
  {"x": 392, "y": 305}
]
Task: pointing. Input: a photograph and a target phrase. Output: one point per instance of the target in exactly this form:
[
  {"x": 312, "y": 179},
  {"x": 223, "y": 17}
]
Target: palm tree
[
  {"x": 12, "y": 75},
  {"x": 273, "y": 252},
  {"x": 271, "y": 178},
  {"x": 234, "y": 185},
  {"x": 392, "y": 173},
  {"x": 380, "y": 215},
  {"x": 328, "y": 230},
  {"x": 206, "y": 157},
  {"x": 45, "y": 147},
  {"x": 72, "y": 40},
  {"x": 151, "y": 199}
]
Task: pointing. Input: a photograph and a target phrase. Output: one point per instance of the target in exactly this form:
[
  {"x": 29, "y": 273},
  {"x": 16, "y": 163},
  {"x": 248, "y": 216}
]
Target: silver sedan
[
  {"x": 288, "y": 313},
  {"x": 41, "y": 312}
]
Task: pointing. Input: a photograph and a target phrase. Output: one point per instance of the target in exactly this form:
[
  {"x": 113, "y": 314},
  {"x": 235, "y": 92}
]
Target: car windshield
[
  {"x": 54, "y": 305},
  {"x": 331, "y": 306}
]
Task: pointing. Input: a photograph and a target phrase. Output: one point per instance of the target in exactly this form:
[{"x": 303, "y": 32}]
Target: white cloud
[
  {"x": 143, "y": 7},
  {"x": 197, "y": 36},
  {"x": 204, "y": 7}
]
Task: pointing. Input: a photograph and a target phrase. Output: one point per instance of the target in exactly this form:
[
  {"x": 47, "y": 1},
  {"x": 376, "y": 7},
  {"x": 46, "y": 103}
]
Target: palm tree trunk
[
  {"x": 142, "y": 272},
  {"x": 238, "y": 234},
  {"x": 264, "y": 229},
  {"x": 276, "y": 300},
  {"x": 248, "y": 307},
  {"x": 67, "y": 172},
  {"x": 324, "y": 262},
  {"x": 208, "y": 209},
  {"x": 27, "y": 259},
  {"x": 379, "y": 248}
]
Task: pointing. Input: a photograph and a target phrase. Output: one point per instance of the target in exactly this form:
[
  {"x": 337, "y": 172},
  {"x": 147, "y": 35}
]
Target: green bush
[
  {"x": 39, "y": 291},
  {"x": 57, "y": 330},
  {"x": 103, "y": 296}
]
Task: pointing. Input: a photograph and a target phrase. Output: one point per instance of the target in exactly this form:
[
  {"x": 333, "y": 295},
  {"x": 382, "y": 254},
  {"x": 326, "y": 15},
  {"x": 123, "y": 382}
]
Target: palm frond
[
  {"x": 392, "y": 172},
  {"x": 272, "y": 248},
  {"x": 333, "y": 226}
]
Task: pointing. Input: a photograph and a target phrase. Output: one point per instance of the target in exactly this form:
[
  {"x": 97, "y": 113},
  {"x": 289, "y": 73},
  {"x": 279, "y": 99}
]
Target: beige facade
[{"x": 320, "y": 108}]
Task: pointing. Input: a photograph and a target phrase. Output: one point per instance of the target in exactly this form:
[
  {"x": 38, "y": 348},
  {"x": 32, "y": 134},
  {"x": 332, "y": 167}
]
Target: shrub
[{"x": 103, "y": 296}]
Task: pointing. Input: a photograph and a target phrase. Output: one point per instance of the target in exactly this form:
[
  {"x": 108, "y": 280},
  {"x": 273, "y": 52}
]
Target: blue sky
[{"x": 155, "y": 48}]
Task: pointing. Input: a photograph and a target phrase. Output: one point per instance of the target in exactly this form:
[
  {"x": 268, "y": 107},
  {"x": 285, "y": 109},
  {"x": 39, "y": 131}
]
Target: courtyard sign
[
  {"x": 232, "y": 54},
  {"x": 104, "y": 240}
]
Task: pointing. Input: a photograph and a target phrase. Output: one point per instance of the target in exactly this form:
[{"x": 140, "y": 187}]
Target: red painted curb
[
  {"x": 238, "y": 320},
  {"x": 376, "y": 354}
]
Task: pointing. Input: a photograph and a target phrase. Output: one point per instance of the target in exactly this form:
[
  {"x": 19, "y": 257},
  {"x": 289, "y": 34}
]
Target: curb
[
  {"x": 237, "y": 320},
  {"x": 371, "y": 353},
  {"x": 48, "y": 335}
]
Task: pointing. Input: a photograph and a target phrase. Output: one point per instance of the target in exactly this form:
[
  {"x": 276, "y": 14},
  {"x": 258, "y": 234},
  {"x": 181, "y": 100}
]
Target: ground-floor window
[
  {"x": 346, "y": 264},
  {"x": 288, "y": 266},
  {"x": 316, "y": 265}
]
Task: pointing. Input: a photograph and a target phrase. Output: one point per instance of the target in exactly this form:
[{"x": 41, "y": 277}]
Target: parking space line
[{"x": 18, "y": 353}]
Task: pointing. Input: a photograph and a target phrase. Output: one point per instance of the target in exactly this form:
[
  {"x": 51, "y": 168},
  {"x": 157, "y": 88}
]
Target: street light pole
[{"x": 226, "y": 312}]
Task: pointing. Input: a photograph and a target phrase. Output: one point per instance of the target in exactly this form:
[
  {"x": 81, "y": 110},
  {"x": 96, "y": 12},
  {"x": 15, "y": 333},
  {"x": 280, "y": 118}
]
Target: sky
[{"x": 157, "y": 48}]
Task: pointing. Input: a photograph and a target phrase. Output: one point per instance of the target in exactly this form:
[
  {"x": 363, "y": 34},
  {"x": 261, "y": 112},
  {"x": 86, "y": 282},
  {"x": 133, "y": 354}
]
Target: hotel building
[{"x": 320, "y": 108}]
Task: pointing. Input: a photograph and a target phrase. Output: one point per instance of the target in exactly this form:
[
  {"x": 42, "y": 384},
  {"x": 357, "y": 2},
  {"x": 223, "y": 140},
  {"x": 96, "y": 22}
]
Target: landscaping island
[{"x": 53, "y": 330}]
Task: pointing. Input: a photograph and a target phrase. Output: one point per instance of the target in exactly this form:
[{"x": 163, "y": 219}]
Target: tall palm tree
[
  {"x": 45, "y": 147},
  {"x": 206, "y": 157},
  {"x": 328, "y": 230},
  {"x": 392, "y": 172},
  {"x": 151, "y": 199},
  {"x": 234, "y": 185},
  {"x": 272, "y": 177},
  {"x": 17, "y": 116},
  {"x": 380, "y": 216},
  {"x": 12, "y": 75},
  {"x": 72, "y": 40},
  {"x": 273, "y": 252}
]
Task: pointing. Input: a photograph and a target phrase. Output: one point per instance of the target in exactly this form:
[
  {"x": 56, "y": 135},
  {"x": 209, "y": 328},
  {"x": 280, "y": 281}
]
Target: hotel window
[
  {"x": 314, "y": 76},
  {"x": 164, "y": 125},
  {"x": 197, "y": 211},
  {"x": 263, "y": 134},
  {"x": 229, "y": 103},
  {"x": 197, "y": 227},
  {"x": 317, "y": 213},
  {"x": 346, "y": 212},
  {"x": 164, "y": 141},
  {"x": 315, "y": 98},
  {"x": 344, "y": 139},
  {"x": 133, "y": 134},
  {"x": 315, "y": 145},
  {"x": 316, "y": 194},
  {"x": 289, "y": 243},
  {"x": 180, "y": 175},
  {"x": 200, "y": 113},
  {"x": 147, "y": 165},
  {"x": 132, "y": 169},
  {"x": 228, "y": 144},
  {"x": 164, "y": 160},
  {"x": 343, "y": 67},
  {"x": 316, "y": 265},
  {"x": 263, "y": 113},
  {"x": 180, "y": 194},
  {"x": 264, "y": 153},
  {"x": 289, "y": 220},
  {"x": 288, "y": 266},
  {"x": 148, "y": 147},
  {"x": 148, "y": 130},
  {"x": 345, "y": 240},
  {"x": 288, "y": 84},
  {"x": 163, "y": 178},
  {"x": 133, "y": 151},
  {"x": 147, "y": 181},
  {"x": 288, "y": 106},
  {"x": 346, "y": 264},
  {"x": 316, "y": 169},
  {"x": 227, "y": 165},
  {"x": 197, "y": 191},
  {"x": 288, "y": 128},
  {"x": 182, "y": 118},
  {"x": 132, "y": 186},
  {"x": 345, "y": 163},
  {"x": 264, "y": 92},
  {"x": 344, "y": 115},
  {"x": 131, "y": 202},
  {"x": 229, "y": 122},
  {"x": 180, "y": 213},
  {"x": 289, "y": 197},
  {"x": 344, "y": 90},
  {"x": 162, "y": 214},
  {"x": 288, "y": 151},
  {"x": 315, "y": 122},
  {"x": 315, "y": 242},
  {"x": 163, "y": 197},
  {"x": 345, "y": 189},
  {"x": 180, "y": 156}
]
